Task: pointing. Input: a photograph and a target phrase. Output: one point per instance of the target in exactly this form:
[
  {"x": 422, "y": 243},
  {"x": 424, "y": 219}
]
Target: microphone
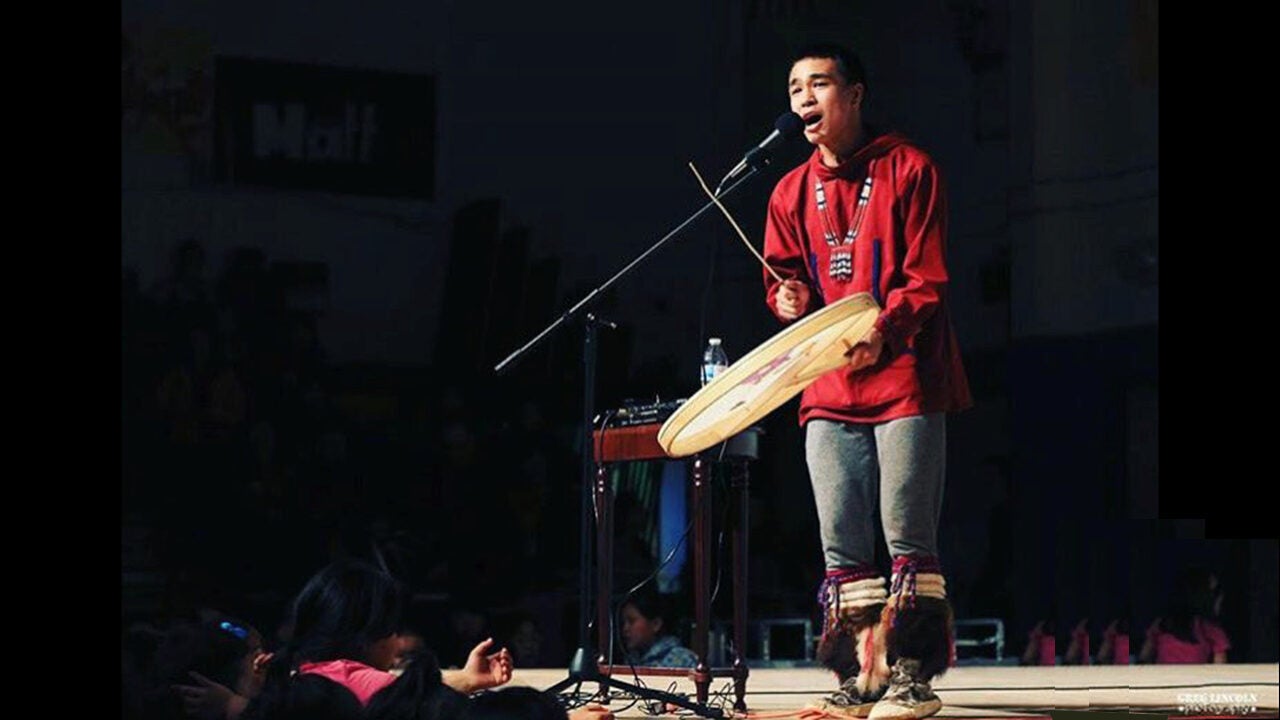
[{"x": 787, "y": 126}]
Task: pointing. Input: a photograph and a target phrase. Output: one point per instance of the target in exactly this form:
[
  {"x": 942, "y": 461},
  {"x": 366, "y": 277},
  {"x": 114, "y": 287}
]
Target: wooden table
[{"x": 638, "y": 443}]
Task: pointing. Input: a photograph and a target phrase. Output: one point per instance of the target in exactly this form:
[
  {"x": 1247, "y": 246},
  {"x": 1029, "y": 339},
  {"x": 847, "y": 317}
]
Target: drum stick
[{"x": 742, "y": 235}]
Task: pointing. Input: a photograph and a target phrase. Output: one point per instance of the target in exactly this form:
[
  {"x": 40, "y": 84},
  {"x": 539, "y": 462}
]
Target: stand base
[{"x": 582, "y": 670}]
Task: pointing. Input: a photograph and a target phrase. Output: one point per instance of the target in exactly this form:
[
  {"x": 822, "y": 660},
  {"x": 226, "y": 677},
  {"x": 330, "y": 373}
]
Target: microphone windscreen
[{"x": 788, "y": 124}]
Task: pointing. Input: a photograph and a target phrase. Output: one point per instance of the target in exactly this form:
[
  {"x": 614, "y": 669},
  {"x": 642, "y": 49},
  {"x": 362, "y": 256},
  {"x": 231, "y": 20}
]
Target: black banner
[{"x": 321, "y": 128}]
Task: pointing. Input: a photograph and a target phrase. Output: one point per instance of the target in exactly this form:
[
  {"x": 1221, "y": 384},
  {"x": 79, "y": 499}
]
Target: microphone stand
[{"x": 581, "y": 669}]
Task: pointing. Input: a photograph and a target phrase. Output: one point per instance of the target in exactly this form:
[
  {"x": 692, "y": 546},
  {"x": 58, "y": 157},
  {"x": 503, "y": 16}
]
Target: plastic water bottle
[{"x": 714, "y": 361}]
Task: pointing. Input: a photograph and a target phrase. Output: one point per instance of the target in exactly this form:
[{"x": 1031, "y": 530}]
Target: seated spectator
[
  {"x": 644, "y": 620},
  {"x": 1114, "y": 648},
  {"x": 344, "y": 642},
  {"x": 1078, "y": 652},
  {"x": 1189, "y": 632},
  {"x": 206, "y": 670},
  {"x": 1041, "y": 645}
]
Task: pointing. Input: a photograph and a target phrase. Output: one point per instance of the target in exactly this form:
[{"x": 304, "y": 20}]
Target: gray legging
[{"x": 902, "y": 461}]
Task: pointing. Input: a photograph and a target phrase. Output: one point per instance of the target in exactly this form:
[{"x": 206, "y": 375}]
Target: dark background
[{"x": 318, "y": 380}]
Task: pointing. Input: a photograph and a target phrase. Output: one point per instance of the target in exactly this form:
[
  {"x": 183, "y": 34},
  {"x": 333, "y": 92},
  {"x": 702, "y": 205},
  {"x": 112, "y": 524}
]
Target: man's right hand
[{"x": 791, "y": 299}]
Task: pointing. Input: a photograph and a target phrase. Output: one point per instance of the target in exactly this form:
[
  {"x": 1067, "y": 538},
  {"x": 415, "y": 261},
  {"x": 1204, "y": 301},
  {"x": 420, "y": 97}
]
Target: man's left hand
[{"x": 867, "y": 352}]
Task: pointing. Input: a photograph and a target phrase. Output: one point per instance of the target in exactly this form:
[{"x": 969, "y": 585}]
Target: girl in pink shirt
[
  {"x": 1114, "y": 648},
  {"x": 1189, "y": 632},
  {"x": 345, "y": 639},
  {"x": 1206, "y": 643},
  {"x": 1041, "y": 645}
]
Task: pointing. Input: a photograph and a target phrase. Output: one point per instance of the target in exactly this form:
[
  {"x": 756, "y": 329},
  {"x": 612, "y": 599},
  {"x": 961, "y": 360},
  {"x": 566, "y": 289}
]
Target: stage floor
[{"x": 1001, "y": 692}]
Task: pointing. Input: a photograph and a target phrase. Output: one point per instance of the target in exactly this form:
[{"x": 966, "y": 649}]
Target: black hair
[
  {"x": 652, "y": 606},
  {"x": 418, "y": 694},
  {"x": 306, "y": 697},
  {"x": 338, "y": 615},
  {"x": 1192, "y": 597},
  {"x": 343, "y": 610},
  {"x": 517, "y": 703},
  {"x": 847, "y": 61},
  {"x": 215, "y": 648}
]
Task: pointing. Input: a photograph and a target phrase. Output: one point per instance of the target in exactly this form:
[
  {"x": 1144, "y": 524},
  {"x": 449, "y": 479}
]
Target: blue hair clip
[{"x": 234, "y": 629}]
